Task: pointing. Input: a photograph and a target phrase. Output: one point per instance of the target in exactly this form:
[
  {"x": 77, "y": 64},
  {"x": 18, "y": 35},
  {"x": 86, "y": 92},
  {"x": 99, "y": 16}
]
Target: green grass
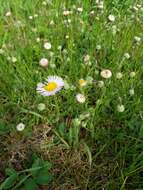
[{"x": 91, "y": 145}]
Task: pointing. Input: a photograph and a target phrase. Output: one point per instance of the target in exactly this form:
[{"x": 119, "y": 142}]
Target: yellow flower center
[
  {"x": 51, "y": 86},
  {"x": 82, "y": 82}
]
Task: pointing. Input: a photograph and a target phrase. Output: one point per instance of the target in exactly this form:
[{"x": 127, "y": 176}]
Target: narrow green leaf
[{"x": 9, "y": 182}]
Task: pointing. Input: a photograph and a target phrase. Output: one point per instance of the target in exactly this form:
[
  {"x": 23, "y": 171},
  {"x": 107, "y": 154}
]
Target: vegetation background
[{"x": 68, "y": 145}]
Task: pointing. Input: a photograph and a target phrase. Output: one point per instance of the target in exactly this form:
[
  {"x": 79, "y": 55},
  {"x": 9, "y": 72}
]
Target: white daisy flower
[
  {"x": 20, "y": 127},
  {"x": 43, "y": 62},
  {"x": 120, "y": 108},
  {"x": 47, "y": 45},
  {"x": 111, "y": 18},
  {"x": 52, "y": 85},
  {"x": 80, "y": 98},
  {"x": 106, "y": 73}
]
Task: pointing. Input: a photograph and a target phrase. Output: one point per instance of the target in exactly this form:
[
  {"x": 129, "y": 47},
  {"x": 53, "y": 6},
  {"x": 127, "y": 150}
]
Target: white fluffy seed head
[
  {"x": 132, "y": 74},
  {"x": 127, "y": 55},
  {"x": 119, "y": 75},
  {"x": 131, "y": 92},
  {"x": 120, "y": 108},
  {"x": 111, "y": 18},
  {"x": 106, "y": 73},
  {"x": 100, "y": 84},
  {"x": 20, "y": 127},
  {"x": 80, "y": 98},
  {"x": 43, "y": 62},
  {"x": 41, "y": 107},
  {"x": 47, "y": 45}
]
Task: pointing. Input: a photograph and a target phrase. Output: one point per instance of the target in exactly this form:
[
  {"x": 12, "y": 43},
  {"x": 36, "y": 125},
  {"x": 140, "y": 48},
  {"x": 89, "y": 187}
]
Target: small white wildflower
[
  {"x": 52, "y": 65},
  {"x": 137, "y": 39},
  {"x": 111, "y": 18},
  {"x": 35, "y": 15},
  {"x": 86, "y": 58},
  {"x": 82, "y": 82},
  {"x": 100, "y": 84},
  {"x": 1, "y": 51},
  {"x": 43, "y": 62},
  {"x": 80, "y": 98},
  {"x": 92, "y": 12},
  {"x": 69, "y": 21},
  {"x": 132, "y": 74},
  {"x": 119, "y": 75},
  {"x": 44, "y": 3},
  {"x": 59, "y": 47},
  {"x": 139, "y": 5},
  {"x": 127, "y": 55},
  {"x": 8, "y": 14},
  {"x": 76, "y": 122},
  {"x": 20, "y": 127},
  {"x": 79, "y": 9},
  {"x": 41, "y": 107},
  {"x": 13, "y": 59},
  {"x": 106, "y": 73},
  {"x": 47, "y": 45},
  {"x": 67, "y": 37},
  {"x": 66, "y": 13},
  {"x": 131, "y": 92},
  {"x": 135, "y": 8},
  {"x": 38, "y": 40},
  {"x": 51, "y": 23},
  {"x": 120, "y": 108},
  {"x": 30, "y": 17},
  {"x": 98, "y": 47}
]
